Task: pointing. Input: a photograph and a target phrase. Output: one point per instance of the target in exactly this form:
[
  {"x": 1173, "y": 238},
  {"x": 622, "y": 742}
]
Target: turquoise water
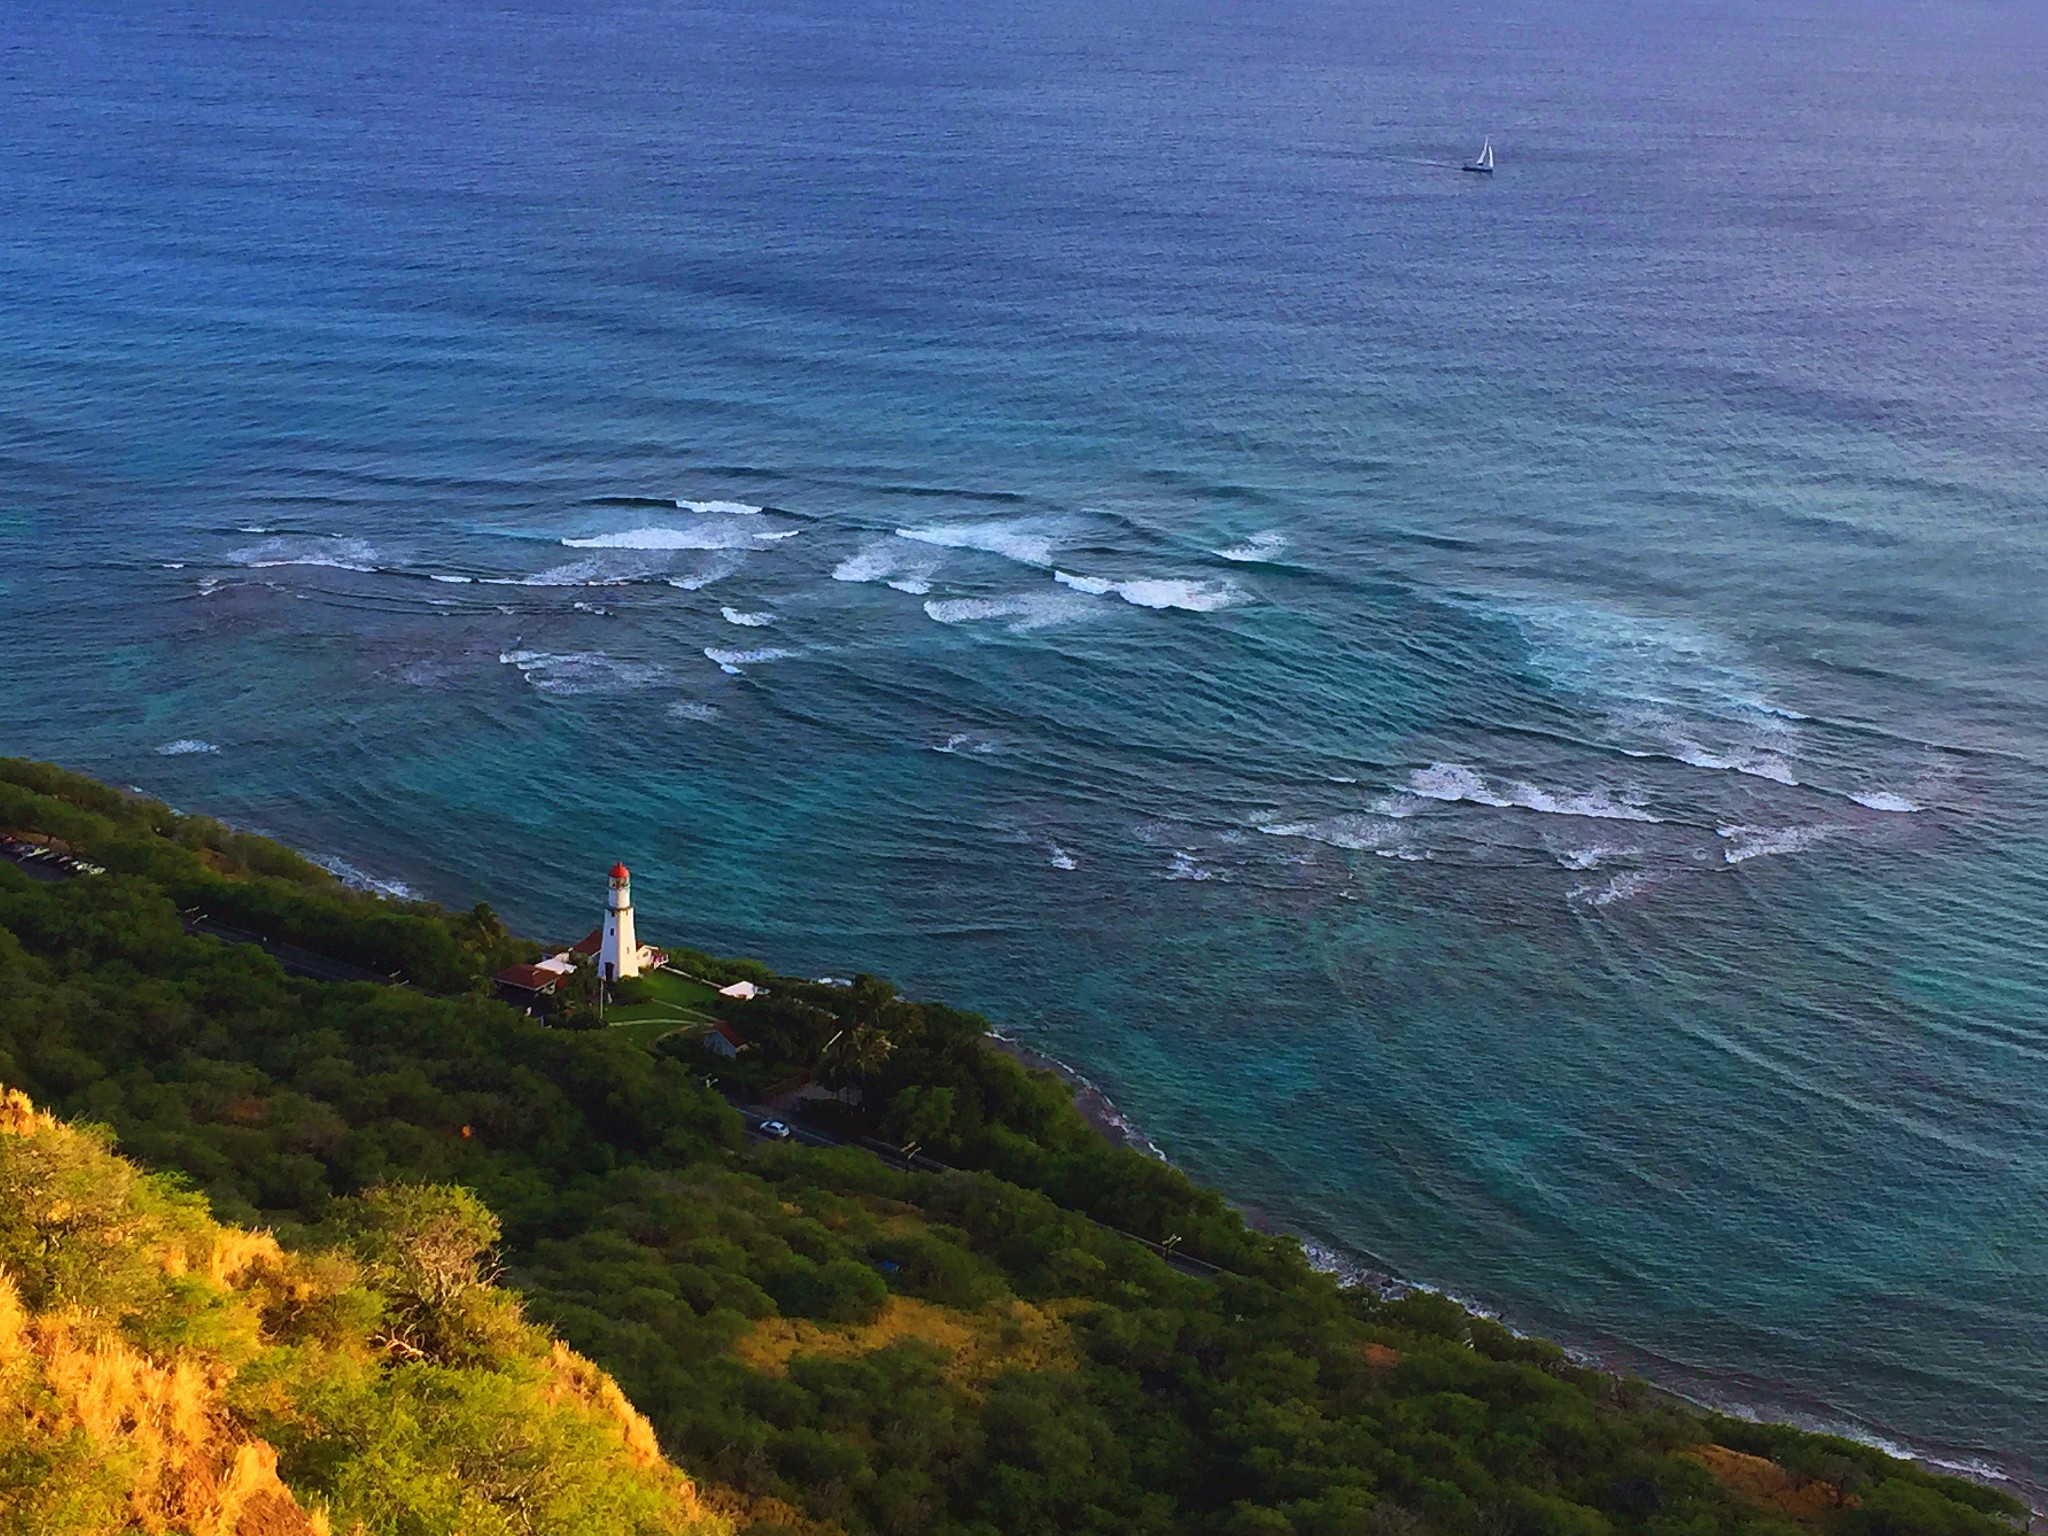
[{"x": 1502, "y": 721}]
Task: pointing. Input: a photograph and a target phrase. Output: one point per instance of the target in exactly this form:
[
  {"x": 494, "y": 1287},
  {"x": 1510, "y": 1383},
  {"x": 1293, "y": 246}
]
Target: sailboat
[{"x": 1483, "y": 166}]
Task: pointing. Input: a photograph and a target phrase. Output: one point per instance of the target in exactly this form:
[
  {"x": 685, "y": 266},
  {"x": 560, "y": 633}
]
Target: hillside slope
[
  {"x": 161, "y": 1372},
  {"x": 826, "y": 1342}
]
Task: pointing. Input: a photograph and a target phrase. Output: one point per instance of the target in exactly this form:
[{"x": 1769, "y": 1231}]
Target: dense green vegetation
[
  {"x": 829, "y": 1343},
  {"x": 159, "y": 1372}
]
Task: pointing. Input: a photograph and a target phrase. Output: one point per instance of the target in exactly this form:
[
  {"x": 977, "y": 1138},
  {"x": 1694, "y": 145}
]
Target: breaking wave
[
  {"x": 1026, "y": 611},
  {"x": 574, "y": 672},
  {"x": 730, "y": 662},
  {"x": 720, "y": 508},
  {"x": 356, "y": 879},
  {"x": 1884, "y": 800},
  {"x": 1594, "y": 857},
  {"x": 1359, "y": 833},
  {"x": 1759, "y": 765},
  {"x": 1059, "y": 858},
  {"x": 746, "y": 620},
  {"x": 1605, "y": 894},
  {"x": 887, "y": 561},
  {"x": 720, "y": 566},
  {"x": 1011, "y": 540},
  {"x": 1193, "y": 596},
  {"x": 1453, "y": 782},
  {"x": 701, "y": 536},
  {"x": 591, "y": 572},
  {"x": 1745, "y": 843},
  {"x": 333, "y": 551},
  {"x": 185, "y": 746},
  {"x": 1257, "y": 549}
]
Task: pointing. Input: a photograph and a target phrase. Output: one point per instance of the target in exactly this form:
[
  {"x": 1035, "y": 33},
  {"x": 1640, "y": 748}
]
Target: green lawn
[
  {"x": 646, "y": 1031},
  {"x": 668, "y": 987},
  {"x": 674, "y": 1002}
]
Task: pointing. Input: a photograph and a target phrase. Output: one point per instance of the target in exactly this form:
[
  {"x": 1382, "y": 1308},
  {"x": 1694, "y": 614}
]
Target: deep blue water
[{"x": 1503, "y": 721}]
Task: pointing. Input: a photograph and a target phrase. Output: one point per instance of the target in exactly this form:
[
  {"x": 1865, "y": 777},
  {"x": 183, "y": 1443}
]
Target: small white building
[{"x": 745, "y": 991}]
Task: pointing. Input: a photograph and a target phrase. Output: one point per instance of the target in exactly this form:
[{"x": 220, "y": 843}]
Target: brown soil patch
[
  {"x": 1759, "y": 1481},
  {"x": 996, "y": 1338}
]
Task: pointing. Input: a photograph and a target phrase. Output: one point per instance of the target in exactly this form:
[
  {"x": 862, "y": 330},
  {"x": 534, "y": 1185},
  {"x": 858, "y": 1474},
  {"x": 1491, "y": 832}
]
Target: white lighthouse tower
[{"x": 618, "y": 952}]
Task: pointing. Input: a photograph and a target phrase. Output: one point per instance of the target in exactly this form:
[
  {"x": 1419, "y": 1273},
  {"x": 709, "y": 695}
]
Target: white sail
[{"x": 1486, "y": 155}]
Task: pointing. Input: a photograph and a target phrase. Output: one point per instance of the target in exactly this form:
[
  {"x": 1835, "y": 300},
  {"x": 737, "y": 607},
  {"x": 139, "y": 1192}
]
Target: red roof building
[{"x": 528, "y": 978}]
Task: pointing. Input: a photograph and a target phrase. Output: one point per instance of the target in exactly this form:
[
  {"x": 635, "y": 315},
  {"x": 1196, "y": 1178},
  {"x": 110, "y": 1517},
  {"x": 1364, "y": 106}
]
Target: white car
[{"x": 775, "y": 1130}]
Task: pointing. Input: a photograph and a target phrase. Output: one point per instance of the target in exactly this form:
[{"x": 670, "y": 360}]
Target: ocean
[{"x": 1504, "y": 721}]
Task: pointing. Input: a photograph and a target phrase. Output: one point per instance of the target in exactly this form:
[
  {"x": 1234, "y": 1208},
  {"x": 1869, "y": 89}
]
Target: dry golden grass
[
  {"x": 188, "y": 1467},
  {"x": 979, "y": 1344},
  {"x": 1761, "y": 1482},
  {"x": 150, "y": 1426},
  {"x": 577, "y": 1380},
  {"x": 161, "y": 1421}
]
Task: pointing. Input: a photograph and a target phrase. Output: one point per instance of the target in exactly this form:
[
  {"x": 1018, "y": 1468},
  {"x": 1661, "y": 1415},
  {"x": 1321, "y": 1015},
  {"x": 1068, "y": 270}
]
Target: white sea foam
[
  {"x": 1186, "y": 867},
  {"x": 1593, "y": 857},
  {"x": 1885, "y": 800},
  {"x": 1628, "y": 883},
  {"x": 333, "y": 551},
  {"x": 574, "y": 672},
  {"x": 1059, "y": 858},
  {"x": 972, "y": 745},
  {"x": 451, "y": 580},
  {"x": 1257, "y": 549},
  {"x": 1452, "y": 782},
  {"x": 1758, "y": 765},
  {"x": 1011, "y": 540},
  {"x": 699, "y": 536},
  {"x": 1026, "y": 611},
  {"x": 886, "y": 560},
  {"x": 747, "y": 620},
  {"x": 170, "y": 565},
  {"x": 356, "y": 879},
  {"x": 185, "y": 746},
  {"x": 693, "y": 711},
  {"x": 721, "y": 565},
  {"x": 1745, "y": 843},
  {"x": 1360, "y": 833},
  {"x": 577, "y": 573},
  {"x": 1160, "y": 592},
  {"x": 730, "y": 662},
  {"x": 720, "y": 508}
]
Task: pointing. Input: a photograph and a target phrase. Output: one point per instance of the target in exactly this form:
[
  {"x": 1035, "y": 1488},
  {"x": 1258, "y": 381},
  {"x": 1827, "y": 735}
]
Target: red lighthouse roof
[{"x": 618, "y": 871}]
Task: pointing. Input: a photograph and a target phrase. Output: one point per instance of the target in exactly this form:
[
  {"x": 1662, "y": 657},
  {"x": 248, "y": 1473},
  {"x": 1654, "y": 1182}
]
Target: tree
[
  {"x": 854, "y": 1056},
  {"x": 431, "y": 1249}
]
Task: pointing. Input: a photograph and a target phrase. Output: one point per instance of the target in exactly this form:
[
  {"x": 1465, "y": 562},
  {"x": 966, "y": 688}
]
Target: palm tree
[{"x": 854, "y": 1055}]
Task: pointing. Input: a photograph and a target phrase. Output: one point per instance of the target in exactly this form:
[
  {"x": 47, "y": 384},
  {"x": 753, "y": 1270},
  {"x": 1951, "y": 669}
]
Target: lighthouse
[{"x": 618, "y": 952}]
